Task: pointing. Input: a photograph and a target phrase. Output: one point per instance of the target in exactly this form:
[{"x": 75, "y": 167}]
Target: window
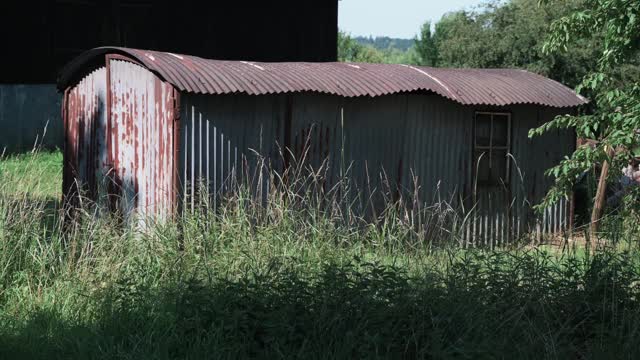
[{"x": 491, "y": 148}]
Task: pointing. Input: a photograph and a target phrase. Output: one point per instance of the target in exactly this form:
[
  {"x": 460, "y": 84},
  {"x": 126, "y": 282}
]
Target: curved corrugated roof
[{"x": 465, "y": 86}]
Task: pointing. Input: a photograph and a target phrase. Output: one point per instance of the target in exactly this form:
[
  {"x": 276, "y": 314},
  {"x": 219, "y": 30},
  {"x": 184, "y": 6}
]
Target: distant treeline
[{"x": 385, "y": 42}]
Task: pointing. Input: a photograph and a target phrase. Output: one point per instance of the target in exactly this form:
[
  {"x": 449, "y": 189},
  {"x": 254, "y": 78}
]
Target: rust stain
[
  {"x": 143, "y": 143},
  {"x": 119, "y": 124}
]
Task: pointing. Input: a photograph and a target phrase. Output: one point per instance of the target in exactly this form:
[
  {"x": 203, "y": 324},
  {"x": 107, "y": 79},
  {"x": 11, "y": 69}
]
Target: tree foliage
[
  {"x": 592, "y": 45},
  {"x": 350, "y": 50},
  {"x": 509, "y": 35},
  {"x": 613, "y": 88},
  {"x": 426, "y": 48},
  {"x": 385, "y": 42},
  {"x": 373, "y": 50},
  {"x": 496, "y": 34}
]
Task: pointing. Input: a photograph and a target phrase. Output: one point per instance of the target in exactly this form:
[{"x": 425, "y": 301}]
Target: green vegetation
[
  {"x": 291, "y": 281},
  {"x": 385, "y": 42},
  {"x": 294, "y": 278},
  {"x": 36, "y": 175},
  {"x": 591, "y": 45},
  {"x": 613, "y": 86},
  {"x": 496, "y": 34},
  {"x": 378, "y": 50},
  {"x": 511, "y": 35}
]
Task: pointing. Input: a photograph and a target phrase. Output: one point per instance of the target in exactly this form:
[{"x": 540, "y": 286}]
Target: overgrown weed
[{"x": 296, "y": 277}]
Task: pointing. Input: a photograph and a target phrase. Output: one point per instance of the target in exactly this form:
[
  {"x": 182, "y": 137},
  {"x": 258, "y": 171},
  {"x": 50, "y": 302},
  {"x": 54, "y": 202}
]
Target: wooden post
[{"x": 598, "y": 204}]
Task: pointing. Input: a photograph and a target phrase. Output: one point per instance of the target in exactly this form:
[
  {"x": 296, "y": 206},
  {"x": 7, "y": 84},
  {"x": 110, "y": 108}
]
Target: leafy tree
[
  {"x": 425, "y": 46},
  {"x": 384, "y": 42},
  {"x": 511, "y": 35},
  {"x": 350, "y": 50},
  {"x": 612, "y": 85},
  {"x": 378, "y": 50}
]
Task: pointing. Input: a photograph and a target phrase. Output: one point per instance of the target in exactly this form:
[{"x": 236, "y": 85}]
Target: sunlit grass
[
  {"x": 37, "y": 174},
  {"x": 287, "y": 281}
]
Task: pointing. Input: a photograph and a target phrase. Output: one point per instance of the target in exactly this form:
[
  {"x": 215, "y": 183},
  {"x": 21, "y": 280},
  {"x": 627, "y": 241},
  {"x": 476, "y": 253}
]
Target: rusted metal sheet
[
  {"x": 497, "y": 87},
  {"x": 141, "y": 134},
  {"x": 415, "y": 147},
  {"x": 85, "y": 146}
]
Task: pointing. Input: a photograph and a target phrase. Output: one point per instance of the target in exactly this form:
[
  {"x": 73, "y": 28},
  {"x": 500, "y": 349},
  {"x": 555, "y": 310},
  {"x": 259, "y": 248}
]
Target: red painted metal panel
[
  {"x": 466, "y": 86},
  {"x": 142, "y": 115}
]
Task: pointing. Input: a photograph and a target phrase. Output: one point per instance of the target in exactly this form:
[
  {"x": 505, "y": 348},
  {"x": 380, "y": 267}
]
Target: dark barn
[
  {"x": 155, "y": 124},
  {"x": 40, "y": 36}
]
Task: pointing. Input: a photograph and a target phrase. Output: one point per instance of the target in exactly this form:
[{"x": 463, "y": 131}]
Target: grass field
[{"x": 292, "y": 284}]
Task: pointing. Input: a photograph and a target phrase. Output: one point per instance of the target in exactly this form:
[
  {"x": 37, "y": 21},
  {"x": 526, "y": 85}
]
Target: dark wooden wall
[{"x": 40, "y": 36}]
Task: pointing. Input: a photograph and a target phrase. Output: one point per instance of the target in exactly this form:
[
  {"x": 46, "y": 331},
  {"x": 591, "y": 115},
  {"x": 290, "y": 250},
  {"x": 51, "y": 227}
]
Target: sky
[{"x": 393, "y": 18}]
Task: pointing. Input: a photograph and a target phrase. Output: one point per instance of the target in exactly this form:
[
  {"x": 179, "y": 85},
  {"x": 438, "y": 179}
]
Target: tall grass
[{"x": 290, "y": 279}]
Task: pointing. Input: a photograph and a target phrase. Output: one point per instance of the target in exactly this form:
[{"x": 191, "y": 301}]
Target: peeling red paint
[
  {"x": 143, "y": 113},
  {"x": 119, "y": 133}
]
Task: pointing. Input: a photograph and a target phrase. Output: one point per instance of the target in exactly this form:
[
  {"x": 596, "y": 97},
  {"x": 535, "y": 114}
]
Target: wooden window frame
[{"x": 506, "y": 180}]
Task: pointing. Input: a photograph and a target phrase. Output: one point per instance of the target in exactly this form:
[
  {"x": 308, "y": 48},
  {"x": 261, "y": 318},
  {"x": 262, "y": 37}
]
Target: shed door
[
  {"x": 141, "y": 135},
  {"x": 491, "y": 185}
]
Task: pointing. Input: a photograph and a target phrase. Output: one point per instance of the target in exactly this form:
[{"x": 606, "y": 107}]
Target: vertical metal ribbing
[
  {"x": 215, "y": 166},
  {"x": 562, "y": 214},
  {"x": 555, "y": 215},
  {"x": 559, "y": 218},
  {"x": 496, "y": 230},
  {"x": 141, "y": 143},
  {"x": 208, "y": 159},
  {"x": 200, "y": 177},
  {"x": 193, "y": 150},
  {"x": 186, "y": 152},
  {"x": 221, "y": 162},
  {"x": 235, "y": 165}
]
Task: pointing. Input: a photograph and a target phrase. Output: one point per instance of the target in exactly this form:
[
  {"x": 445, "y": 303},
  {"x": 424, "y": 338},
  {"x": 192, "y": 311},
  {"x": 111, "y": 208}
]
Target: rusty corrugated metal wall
[
  {"x": 84, "y": 141},
  {"x": 225, "y": 139},
  {"x": 142, "y": 140},
  {"x": 387, "y": 145}
]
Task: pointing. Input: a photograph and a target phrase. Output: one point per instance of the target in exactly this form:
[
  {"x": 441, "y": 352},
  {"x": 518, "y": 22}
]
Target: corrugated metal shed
[
  {"x": 192, "y": 74},
  {"x": 158, "y": 128}
]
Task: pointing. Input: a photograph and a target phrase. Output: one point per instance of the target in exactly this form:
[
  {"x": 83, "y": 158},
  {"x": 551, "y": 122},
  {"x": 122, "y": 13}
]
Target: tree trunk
[{"x": 598, "y": 204}]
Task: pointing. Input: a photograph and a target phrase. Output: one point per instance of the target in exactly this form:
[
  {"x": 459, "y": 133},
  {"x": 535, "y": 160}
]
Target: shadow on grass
[{"x": 358, "y": 310}]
